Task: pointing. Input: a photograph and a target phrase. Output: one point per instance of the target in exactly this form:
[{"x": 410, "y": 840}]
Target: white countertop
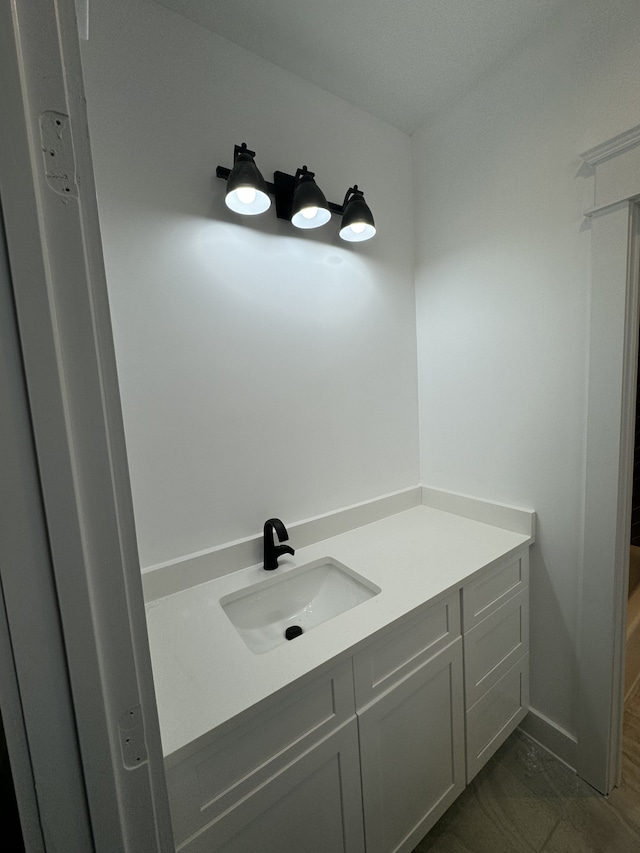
[{"x": 204, "y": 673}]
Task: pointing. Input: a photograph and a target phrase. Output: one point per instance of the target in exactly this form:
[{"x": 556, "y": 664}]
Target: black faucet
[{"x": 271, "y": 550}]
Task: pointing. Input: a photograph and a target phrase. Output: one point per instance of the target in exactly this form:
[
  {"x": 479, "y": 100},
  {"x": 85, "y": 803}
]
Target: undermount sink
[{"x": 300, "y": 598}]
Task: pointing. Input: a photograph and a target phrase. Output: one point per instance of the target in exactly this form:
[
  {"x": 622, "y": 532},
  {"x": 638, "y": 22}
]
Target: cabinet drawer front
[
  {"x": 492, "y": 719},
  {"x": 207, "y": 783},
  {"x": 412, "y": 754},
  {"x": 493, "y": 646},
  {"x": 403, "y": 648},
  {"x": 487, "y": 592},
  {"x": 313, "y": 804}
]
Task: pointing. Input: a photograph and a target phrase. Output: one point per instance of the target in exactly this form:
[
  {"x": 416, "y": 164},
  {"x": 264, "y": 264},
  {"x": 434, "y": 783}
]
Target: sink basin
[{"x": 304, "y": 597}]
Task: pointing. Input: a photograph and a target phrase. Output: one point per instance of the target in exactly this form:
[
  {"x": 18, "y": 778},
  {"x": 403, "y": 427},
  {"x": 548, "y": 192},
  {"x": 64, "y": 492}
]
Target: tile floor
[{"x": 525, "y": 800}]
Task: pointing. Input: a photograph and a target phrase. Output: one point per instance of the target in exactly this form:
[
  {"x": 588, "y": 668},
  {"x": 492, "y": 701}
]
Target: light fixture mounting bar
[{"x": 283, "y": 188}]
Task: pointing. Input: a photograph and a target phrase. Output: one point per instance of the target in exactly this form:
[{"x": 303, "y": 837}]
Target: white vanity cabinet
[
  {"x": 495, "y": 615},
  {"x": 286, "y": 777},
  {"x": 409, "y": 699},
  {"x": 366, "y": 755},
  {"x": 313, "y": 804}
]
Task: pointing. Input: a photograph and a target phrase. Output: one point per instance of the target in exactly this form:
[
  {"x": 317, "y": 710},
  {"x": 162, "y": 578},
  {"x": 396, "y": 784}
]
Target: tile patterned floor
[{"x": 524, "y": 800}]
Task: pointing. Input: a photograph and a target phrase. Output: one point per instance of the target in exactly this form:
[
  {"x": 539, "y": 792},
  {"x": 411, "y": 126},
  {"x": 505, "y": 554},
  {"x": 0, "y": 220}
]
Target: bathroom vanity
[{"x": 359, "y": 734}]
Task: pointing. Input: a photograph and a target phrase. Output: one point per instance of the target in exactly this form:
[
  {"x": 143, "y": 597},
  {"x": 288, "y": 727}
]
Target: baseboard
[{"x": 551, "y": 737}]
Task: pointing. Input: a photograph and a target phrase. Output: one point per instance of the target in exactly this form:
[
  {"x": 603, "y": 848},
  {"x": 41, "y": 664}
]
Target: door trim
[
  {"x": 32, "y": 657},
  {"x": 612, "y": 172}
]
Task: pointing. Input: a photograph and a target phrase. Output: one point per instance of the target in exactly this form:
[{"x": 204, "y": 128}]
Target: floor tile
[
  {"x": 590, "y": 838},
  {"x": 526, "y": 800},
  {"x": 495, "y": 814}
]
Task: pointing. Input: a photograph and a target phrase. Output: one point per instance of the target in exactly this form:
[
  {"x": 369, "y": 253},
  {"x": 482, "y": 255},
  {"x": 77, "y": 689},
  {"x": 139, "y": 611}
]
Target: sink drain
[{"x": 292, "y": 632}]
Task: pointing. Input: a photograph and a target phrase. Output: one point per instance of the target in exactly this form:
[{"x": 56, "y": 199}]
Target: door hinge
[
  {"x": 132, "y": 739},
  {"x": 57, "y": 151}
]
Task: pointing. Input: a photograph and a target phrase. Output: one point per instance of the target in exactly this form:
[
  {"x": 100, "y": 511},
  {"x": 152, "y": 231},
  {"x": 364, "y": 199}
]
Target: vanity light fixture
[
  {"x": 309, "y": 208},
  {"x": 247, "y": 191},
  {"x": 357, "y": 219},
  {"x": 298, "y": 198}
]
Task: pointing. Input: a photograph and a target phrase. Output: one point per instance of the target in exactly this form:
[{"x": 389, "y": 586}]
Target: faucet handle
[{"x": 285, "y": 549}]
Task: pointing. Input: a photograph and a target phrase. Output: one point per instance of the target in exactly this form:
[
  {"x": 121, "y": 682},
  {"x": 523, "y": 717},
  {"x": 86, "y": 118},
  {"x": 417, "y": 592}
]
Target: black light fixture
[
  {"x": 309, "y": 208},
  {"x": 247, "y": 191},
  {"x": 357, "y": 219},
  {"x": 298, "y": 198}
]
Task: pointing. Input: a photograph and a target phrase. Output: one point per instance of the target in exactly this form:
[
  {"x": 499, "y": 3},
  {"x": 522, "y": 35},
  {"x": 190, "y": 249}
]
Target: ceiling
[{"x": 400, "y": 60}]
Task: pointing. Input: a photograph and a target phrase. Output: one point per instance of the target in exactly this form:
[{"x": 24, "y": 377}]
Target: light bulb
[
  {"x": 358, "y": 227},
  {"x": 309, "y": 212},
  {"x": 246, "y": 195}
]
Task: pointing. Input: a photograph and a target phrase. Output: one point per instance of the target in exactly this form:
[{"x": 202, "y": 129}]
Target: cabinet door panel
[
  {"x": 314, "y": 805},
  {"x": 209, "y": 782},
  {"x": 492, "y": 719},
  {"x": 412, "y": 754}
]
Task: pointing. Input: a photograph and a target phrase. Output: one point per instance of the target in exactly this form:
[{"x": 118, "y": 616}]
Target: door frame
[
  {"x": 24, "y": 570},
  {"x": 69, "y": 377},
  {"x": 612, "y": 172}
]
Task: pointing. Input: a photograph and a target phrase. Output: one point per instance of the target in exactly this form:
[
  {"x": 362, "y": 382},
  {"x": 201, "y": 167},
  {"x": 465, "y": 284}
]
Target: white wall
[
  {"x": 262, "y": 372},
  {"x": 267, "y": 373},
  {"x": 502, "y": 277}
]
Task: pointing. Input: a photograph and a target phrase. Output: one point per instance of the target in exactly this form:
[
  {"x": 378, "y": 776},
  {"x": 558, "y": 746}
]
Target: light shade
[
  {"x": 246, "y": 188},
  {"x": 309, "y": 208},
  {"x": 357, "y": 220}
]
